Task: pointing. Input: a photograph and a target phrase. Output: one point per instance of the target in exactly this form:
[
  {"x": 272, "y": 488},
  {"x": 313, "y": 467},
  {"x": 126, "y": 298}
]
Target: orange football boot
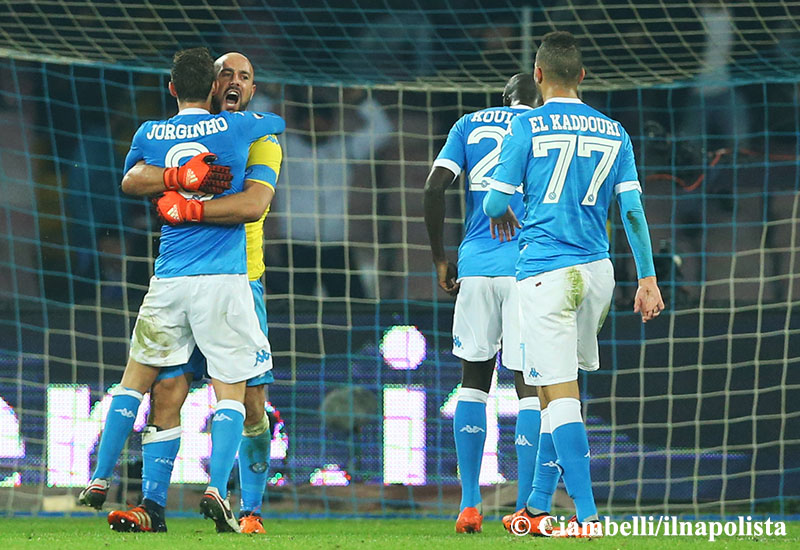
[
  {"x": 578, "y": 530},
  {"x": 522, "y": 523},
  {"x": 469, "y": 521},
  {"x": 135, "y": 520},
  {"x": 252, "y": 523}
]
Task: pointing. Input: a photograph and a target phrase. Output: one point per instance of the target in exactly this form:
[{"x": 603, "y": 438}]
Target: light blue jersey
[
  {"x": 473, "y": 144},
  {"x": 571, "y": 160},
  {"x": 202, "y": 249}
]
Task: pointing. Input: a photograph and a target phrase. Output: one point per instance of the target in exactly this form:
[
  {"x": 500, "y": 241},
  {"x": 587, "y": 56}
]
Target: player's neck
[
  {"x": 206, "y": 105},
  {"x": 549, "y": 92}
]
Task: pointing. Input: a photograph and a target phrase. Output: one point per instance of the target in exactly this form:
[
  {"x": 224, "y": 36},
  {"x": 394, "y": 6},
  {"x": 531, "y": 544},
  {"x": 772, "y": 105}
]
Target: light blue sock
[
  {"x": 254, "y": 465},
  {"x": 159, "y": 449},
  {"x": 226, "y": 434},
  {"x": 469, "y": 427},
  {"x": 572, "y": 447},
  {"x": 526, "y": 442},
  {"x": 547, "y": 473},
  {"x": 118, "y": 426}
]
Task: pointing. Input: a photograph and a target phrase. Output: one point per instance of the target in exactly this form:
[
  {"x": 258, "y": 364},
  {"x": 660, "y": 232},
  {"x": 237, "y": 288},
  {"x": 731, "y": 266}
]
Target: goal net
[{"x": 695, "y": 413}]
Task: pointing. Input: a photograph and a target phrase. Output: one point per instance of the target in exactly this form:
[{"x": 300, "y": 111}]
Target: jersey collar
[
  {"x": 521, "y": 106},
  {"x": 193, "y": 111},
  {"x": 564, "y": 100}
]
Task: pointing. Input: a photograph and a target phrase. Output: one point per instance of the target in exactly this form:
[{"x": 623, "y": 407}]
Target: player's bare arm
[
  {"x": 244, "y": 207},
  {"x": 433, "y": 200},
  {"x": 198, "y": 174}
]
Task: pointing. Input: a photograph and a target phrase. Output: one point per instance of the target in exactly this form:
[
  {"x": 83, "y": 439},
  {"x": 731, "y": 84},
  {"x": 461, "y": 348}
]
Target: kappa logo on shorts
[
  {"x": 457, "y": 341},
  {"x": 534, "y": 373},
  {"x": 262, "y": 356}
]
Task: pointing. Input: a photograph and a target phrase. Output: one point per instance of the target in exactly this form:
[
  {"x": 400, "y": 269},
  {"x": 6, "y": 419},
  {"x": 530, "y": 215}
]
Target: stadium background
[{"x": 704, "y": 416}]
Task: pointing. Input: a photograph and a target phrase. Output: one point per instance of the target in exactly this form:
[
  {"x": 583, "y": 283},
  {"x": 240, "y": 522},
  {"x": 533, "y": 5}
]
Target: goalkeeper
[{"x": 177, "y": 310}]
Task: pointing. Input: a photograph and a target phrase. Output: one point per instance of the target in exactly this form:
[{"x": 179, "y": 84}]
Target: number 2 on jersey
[
  {"x": 567, "y": 144},
  {"x": 489, "y": 160}
]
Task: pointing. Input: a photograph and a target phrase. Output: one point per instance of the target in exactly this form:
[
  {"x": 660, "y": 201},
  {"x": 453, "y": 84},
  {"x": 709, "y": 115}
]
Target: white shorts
[
  {"x": 486, "y": 318},
  {"x": 215, "y": 312},
  {"x": 562, "y": 312}
]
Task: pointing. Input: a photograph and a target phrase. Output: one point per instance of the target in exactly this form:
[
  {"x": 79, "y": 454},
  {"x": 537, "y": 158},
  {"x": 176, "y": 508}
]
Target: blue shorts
[{"x": 196, "y": 366}]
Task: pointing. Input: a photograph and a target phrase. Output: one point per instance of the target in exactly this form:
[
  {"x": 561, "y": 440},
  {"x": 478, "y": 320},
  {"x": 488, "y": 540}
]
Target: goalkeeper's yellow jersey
[{"x": 263, "y": 166}]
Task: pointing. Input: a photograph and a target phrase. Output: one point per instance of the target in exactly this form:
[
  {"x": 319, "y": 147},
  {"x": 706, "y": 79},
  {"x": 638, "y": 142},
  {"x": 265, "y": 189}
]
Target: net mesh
[
  {"x": 477, "y": 44},
  {"x": 696, "y": 413}
]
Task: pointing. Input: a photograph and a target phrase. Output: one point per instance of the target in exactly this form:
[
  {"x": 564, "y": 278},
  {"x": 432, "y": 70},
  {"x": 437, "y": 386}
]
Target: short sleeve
[
  {"x": 135, "y": 153},
  {"x": 627, "y": 175},
  {"x": 513, "y": 162},
  {"x": 264, "y": 161},
  {"x": 255, "y": 125},
  {"x": 453, "y": 155}
]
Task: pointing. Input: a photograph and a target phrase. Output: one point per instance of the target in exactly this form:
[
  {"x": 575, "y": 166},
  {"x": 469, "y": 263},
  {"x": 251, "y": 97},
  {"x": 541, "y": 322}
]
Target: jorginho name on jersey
[
  {"x": 474, "y": 144},
  {"x": 202, "y": 249},
  {"x": 571, "y": 160}
]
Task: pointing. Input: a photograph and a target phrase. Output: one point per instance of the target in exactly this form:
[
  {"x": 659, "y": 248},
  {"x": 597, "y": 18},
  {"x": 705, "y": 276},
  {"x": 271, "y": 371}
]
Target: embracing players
[
  {"x": 161, "y": 438},
  {"x": 571, "y": 160},
  {"x": 200, "y": 292},
  {"x": 486, "y": 311}
]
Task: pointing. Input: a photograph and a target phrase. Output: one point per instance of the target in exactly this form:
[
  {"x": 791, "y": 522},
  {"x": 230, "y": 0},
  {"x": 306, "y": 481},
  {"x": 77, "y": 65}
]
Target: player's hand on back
[
  {"x": 199, "y": 174},
  {"x": 648, "y": 301},
  {"x": 505, "y": 226},
  {"x": 173, "y": 209},
  {"x": 447, "y": 273}
]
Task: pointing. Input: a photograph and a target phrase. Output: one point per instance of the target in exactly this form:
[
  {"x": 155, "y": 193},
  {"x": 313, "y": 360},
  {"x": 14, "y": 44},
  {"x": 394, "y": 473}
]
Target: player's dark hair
[
  {"x": 522, "y": 89},
  {"x": 560, "y": 58},
  {"x": 192, "y": 74}
]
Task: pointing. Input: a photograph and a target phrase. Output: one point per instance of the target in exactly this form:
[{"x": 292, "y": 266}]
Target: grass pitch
[{"x": 310, "y": 534}]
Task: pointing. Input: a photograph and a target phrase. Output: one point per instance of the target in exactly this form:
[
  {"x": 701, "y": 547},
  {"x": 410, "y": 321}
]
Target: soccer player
[
  {"x": 486, "y": 310},
  {"x": 571, "y": 160},
  {"x": 199, "y": 294},
  {"x": 161, "y": 438}
]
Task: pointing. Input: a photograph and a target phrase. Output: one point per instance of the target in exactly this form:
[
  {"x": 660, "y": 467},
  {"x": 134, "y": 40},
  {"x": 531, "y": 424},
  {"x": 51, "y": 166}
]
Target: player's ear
[
  {"x": 214, "y": 87},
  {"x": 583, "y": 75},
  {"x": 172, "y": 91},
  {"x": 537, "y": 75}
]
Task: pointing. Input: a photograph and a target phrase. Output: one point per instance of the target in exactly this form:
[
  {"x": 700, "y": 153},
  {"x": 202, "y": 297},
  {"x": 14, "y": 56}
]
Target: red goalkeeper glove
[
  {"x": 199, "y": 174},
  {"x": 173, "y": 209}
]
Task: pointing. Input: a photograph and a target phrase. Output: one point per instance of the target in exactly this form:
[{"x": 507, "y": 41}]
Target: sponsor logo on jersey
[
  {"x": 471, "y": 429},
  {"x": 127, "y": 413}
]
